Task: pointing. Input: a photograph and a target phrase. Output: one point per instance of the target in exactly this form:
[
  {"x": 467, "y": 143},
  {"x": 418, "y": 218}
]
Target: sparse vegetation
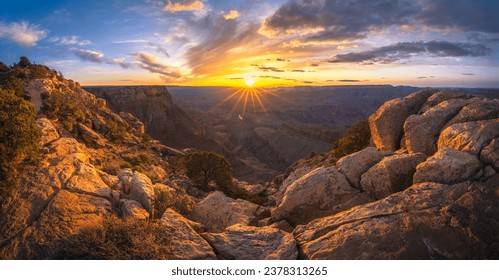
[
  {"x": 177, "y": 199},
  {"x": 356, "y": 139},
  {"x": 204, "y": 168},
  {"x": 116, "y": 239},
  {"x": 19, "y": 136},
  {"x": 61, "y": 106},
  {"x": 115, "y": 132}
]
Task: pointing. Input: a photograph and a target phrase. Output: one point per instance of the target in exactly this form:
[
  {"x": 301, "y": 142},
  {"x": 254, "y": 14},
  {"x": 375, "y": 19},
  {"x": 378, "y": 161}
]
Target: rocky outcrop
[
  {"x": 386, "y": 124},
  {"x": 392, "y": 174},
  {"x": 448, "y": 166},
  {"x": 426, "y": 221},
  {"x": 218, "y": 211},
  {"x": 321, "y": 192},
  {"x": 356, "y": 164},
  {"x": 241, "y": 242},
  {"x": 490, "y": 154},
  {"x": 421, "y": 130},
  {"x": 91, "y": 137},
  {"x": 469, "y": 137},
  {"x": 49, "y": 132},
  {"x": 133, "y": 209},
  {"x": 185, "y": 243}
]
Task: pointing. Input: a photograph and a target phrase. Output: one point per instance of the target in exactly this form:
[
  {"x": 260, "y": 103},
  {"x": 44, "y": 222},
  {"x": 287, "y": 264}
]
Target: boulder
[
  {"x": 392, "y": 174},
  {"x": 490, "y": 154},
  {"x": 442, "y": 96},
  {"x": 426, "y": 221},
  {"x": 217, "y": 211},
  {"x": 421, "y": 131},
  {"x": 356, "y": 164},
  {"x": 386, "y": 124},
  {"x": 293, "y": 176},
  {"x": 49, "y": 132},
  {"x": 142, "y": 190},
  {"x": 185, "y": 243},
  {"x": 481, "y": 109},
  {"x": 469, "y": 137},
  {"x": 241, "y": 242},
  {"x": 322, "y": 192},
  {"x": 448, "y": 166},
  {"x": 133, "y": 209},
  {"x": 91, "y": 137},
  {"x": 86, "y": 179}
]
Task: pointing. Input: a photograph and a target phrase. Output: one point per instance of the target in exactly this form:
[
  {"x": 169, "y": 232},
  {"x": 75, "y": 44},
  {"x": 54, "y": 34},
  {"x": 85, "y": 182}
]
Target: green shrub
[
  {"x": 23, "y": 62},
  {"x": 115, "y": 132},
  {"x": 63, "y": 107},
  {"x": 203, "y": 168},
  {"x": 357, "y": 138},
  {"x": 19, "y": 135},
  {"x": 116, "y": 240},
  {"x": 125, "y": 165},
  {"x": 178, "y": 200}
]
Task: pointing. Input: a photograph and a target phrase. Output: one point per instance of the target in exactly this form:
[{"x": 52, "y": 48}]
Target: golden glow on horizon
[{"x": 249, "y": 81}]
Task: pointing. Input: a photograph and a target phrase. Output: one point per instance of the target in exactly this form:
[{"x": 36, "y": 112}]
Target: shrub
[
  {"x": 357, "y": 138},
  {"x": 116, "y": 239},
  {"x": 203, "y": 168},
  {"x": 19, "y": 135},
  {"x": 115, "y": 132},
  {"x": 63, "y": 107},
  {"x": 178, "y": 200},
  {"x": 23, "y": 62}
]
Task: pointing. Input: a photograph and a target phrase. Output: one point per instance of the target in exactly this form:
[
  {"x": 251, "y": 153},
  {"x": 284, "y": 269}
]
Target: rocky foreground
[{"x": 428, "y": 188}]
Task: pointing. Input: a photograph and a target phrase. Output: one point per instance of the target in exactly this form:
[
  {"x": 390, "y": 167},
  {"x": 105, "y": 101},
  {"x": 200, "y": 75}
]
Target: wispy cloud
[
  {"x": 135, "y": 41},
  {"x": 175, "y": 6},
  {"x": 88, "y": 55},
  {"x": 399, "y": 51},
  {"x": 22, "y": 33},
  {"x": 150, "y": 62},
  {"x": 69, "y": 40},
  {"x": 119, "y": 61},
  {"x": 232, "y": 14}
]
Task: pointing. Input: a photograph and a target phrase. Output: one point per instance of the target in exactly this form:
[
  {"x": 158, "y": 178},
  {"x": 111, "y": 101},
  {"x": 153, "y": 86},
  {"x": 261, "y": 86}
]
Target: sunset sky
[{"x": 275, "y": 42}]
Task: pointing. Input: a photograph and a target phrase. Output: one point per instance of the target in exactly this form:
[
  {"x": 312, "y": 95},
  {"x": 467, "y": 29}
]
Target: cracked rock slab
[{"x": 240, "y": 242}]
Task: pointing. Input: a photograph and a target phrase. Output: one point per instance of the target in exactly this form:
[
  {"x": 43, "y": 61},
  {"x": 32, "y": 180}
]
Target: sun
[{"x": 249, "y": 81}]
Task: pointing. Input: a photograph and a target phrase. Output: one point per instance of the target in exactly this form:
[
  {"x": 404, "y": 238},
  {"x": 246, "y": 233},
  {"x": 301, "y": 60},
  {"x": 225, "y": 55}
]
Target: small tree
[
  {"x": 24, "y": 62},
  {"x": 19, "y": 135},
  {"x": 356, "y": 139},
  {"x": 206, "y": 167}
]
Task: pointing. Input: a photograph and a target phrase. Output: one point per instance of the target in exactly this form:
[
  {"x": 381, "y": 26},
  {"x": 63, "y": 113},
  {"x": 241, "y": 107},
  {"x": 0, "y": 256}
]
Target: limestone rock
[
  {"x": 49, "y": 132},
  {"x": 156, "y": 173},
  {"x": 356, "y": 164},
  {"x": 91, "y": 137},
  {"x": 490, "y": 154},
  {"x": 481, "y": 109},
  {"x": 293, "y": 176},
  {"x": 218, "y": 211},
  {"x": 322, "y": 192},
  {"x": 469, "y": 137},
  {"x": 142, "y": 190},
  {"x": 448, "y": 166},
  {"x": 387, "y": 122},
  {"x": 133, "y": 209},
  {"x": 426, "y": 221},
  {"x": 442, "y": 96},
  {"x": 185, "y": 243},
  {"x": 421, "y": 131},
  {"x": 86, "y": 179},
  {"x": 392, "y": 174},
  {"x": 240, "y": 242}
]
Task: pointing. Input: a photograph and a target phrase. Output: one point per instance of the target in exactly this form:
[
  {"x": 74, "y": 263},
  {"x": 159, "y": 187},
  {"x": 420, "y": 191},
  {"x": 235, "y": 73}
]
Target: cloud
[
  {"x": 468, "y": 74},
  {"x": 340, "y": 20},
  {"x": 119, "y": 61},
  {"x": 22, "y": 33},
  {"x": 131, "y": 41},
  {"x": 184, "y": 6},
  {"x": 232, "y": 14},
  {"x": 88, "y": 55},
  {"x": 150, "y": 62},
  {"x": 159, "y": 49},
  {"x": 403, "y": 50},
  {"x": 337, "y": 19},
  {"x": 69, "y": 40},
  {"x": 348, "y": 81},
  {"x": 270, "y": 69}
]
